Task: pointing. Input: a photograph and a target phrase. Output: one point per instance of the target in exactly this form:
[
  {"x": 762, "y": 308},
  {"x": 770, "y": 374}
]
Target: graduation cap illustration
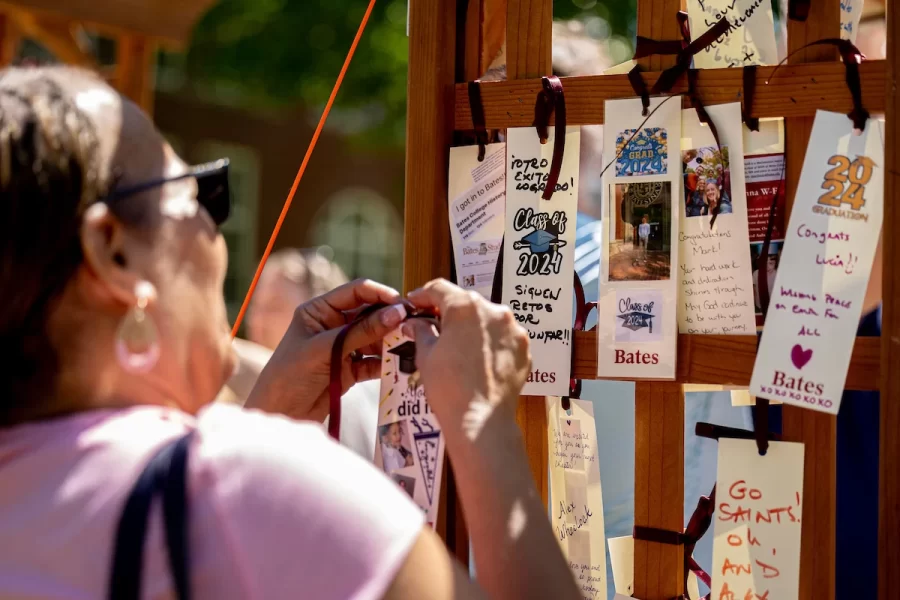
[
  {"x": 637, "y": 320},
  {"x": 539, "y": 241},
  {"x": 406, "y": 355}
]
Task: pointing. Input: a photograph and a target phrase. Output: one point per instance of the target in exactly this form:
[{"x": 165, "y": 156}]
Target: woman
[
  {"x": 714, "y": 197},
  {"x": 111, "y": 297}
]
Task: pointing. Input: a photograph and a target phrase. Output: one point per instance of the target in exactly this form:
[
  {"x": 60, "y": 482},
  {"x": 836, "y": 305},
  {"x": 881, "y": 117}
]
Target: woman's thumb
[{"x": 423, "y": 333}]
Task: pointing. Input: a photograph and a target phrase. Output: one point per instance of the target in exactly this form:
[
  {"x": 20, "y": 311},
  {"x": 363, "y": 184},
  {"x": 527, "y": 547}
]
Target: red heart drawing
[{"x": 799, "y": 356}]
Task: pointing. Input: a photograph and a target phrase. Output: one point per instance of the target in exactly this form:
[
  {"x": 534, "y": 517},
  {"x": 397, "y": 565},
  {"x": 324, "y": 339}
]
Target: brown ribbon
[
  {"x": 798, "y": 10},
  {"x": 640, "y": 88},
  {"x": 582, "y": 310},
  {"x": 749, "y": 93},
  {"x": 551, "y": 100},
  {"x": 335, "y": 386},
  {"x": 476, "y": 107},
  {"x": 684, "y": 56},
  {"x": 647, "y": 47}
]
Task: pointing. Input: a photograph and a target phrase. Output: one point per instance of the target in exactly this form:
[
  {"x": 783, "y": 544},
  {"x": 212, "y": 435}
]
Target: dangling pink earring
[{"x": 137, "y": 340}]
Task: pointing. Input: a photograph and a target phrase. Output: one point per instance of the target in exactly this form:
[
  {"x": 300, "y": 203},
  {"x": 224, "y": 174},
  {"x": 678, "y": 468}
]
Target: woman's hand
[
  {"x": 295, "y": 380},
  {"x": 477, "y": 365}
]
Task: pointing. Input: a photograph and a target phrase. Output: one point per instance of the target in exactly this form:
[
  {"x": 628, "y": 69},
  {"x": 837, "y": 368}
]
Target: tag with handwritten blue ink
[
  {"x": 576, "y": 496},
  {"x": 851, "y": 12},
  {"x": 643, "y": 152},
  {"x": 409, "y": 446},
  {"x": 749, "y": 40},
  {"x": 539, "y": 253},
  {"x": 820, "y": 286}
]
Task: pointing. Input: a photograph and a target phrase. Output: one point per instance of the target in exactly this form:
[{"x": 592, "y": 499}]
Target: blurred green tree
[{"x": 280, "y": 53}]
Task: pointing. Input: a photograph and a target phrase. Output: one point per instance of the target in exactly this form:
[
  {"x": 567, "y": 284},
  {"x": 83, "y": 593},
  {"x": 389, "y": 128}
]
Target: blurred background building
[{"x": 247, "y": 79}]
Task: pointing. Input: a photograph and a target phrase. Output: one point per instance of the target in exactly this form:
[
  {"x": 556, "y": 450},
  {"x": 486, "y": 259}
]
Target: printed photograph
[
  {"x": 707, "y": 181},
  {"x": 639, "y": 315},
  {"x": 407, "y": 484},
  {"x": 774, "y": 257},
  {"x": 396, "y": 446},
  {"x": 642, "y": 153},
  {"x": 641, "y": 247}
]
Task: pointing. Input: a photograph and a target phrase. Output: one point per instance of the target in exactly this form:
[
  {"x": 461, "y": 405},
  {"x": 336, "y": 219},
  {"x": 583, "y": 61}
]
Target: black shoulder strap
[{"x": 166, "y": 474}]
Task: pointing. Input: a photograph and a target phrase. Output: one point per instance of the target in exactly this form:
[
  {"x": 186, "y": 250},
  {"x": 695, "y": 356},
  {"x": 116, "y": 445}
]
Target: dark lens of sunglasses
[{"x": 214, "y": 196}]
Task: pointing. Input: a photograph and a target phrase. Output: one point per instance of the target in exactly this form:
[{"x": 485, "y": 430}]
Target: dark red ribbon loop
[
  {"x": 683, "y": 62},
  {"x": 640, "y": 88},
  {"x": 551, "y": 101},
  {"x": 705, "y": 118},
  {"x": 798, "y": 10},
  {"x": 647, "y": 47},
  {"x": 749, "y": 94},
  {"x": 476, "y": 107},
  {"x": 497, "y": 284}
]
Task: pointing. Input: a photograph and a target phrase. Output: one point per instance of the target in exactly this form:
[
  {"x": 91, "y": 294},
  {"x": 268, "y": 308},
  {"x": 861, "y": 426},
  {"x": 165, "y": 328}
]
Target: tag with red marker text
[{"x": 757, "y": 521}]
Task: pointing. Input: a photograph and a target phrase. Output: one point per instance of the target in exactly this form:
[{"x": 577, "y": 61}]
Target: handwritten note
[
  {"x": 575, "y": 493},
  {"x": 477, "y": 202},
  {"x": 409, "y": 446},
  {"x": 818, "y": 291},
  {"x": 749, "y": 39},
  {"x": 637, "y": 327},
  {"x": 756, "y": 549},
  {"x": 851, "y": 12},
  {"x": 714, "y": 270},
  {"x": 539, "y": 258},
  {"x": 621, "y": 558}
]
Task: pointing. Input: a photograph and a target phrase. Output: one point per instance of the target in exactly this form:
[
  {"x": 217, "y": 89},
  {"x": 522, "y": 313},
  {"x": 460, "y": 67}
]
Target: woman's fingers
[
  {"x": 436, "y": 295},
  {"x": 372, "y": 329},
  {"x": 423, "y": 333},
  {"x": 360, "y": 292},
  {"x": 365, "y": 370}
]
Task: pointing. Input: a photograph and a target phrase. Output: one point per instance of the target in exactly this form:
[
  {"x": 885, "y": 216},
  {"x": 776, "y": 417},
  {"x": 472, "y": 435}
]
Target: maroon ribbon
[
  {"x": 705, "y": 118},
  {"x": 647, "y": 47},
  {"x": 476, "y": 107},
  {"x": 749, "y": 93},
  {"x": 798, "y": 10},
  {"x": 684, "y": 57},
  {"x": 582, "y": 310},
  {"x": 335, "y": 386},
  {"x": 640, "y": 88},
  {"x": 551, "y": 99}
]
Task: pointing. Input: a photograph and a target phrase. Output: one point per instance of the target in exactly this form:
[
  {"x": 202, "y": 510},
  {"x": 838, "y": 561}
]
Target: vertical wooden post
[
  {"x": 426, "y": 237},
  {"x": 529, "y": 33},
  {"x": 888, "y": 477},
  {"x": 659, "y": 410},
  {"x": 136, "y": 69},
  {"x": 10, "y": 37},
  {"x": 818, "y": 431}
]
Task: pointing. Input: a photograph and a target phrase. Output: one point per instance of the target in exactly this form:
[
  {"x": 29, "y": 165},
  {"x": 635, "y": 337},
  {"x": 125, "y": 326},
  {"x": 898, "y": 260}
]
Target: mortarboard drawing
[
  {"x": 539, "y": 242},
  {"x": 406, "y": 355}
]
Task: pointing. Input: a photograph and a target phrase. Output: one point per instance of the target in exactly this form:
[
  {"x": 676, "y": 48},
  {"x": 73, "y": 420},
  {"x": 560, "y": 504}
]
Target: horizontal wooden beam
[
  {"x": 794, "y": 91},
  {"x": 728, "y": 359}
]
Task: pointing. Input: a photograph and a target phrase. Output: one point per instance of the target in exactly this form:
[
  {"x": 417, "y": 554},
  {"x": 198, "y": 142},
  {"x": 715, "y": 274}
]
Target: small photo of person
[
  {"x": 772, "y": 261},
  {"x": 707, "y": 181},
  {"x": 395, "y": 446},
  {"x": 640, "y": 249},
  {"x": 407, "y": 484}
]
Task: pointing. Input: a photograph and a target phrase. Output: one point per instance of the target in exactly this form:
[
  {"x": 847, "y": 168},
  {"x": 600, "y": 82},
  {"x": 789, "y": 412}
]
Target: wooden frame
[{"x": 814, "y": 79}]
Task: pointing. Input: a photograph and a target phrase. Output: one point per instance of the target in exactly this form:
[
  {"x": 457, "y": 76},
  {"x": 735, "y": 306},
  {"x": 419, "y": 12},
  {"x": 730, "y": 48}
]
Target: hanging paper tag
[
  {"x": 538, "y": 260},
  {"x": 817, "y": 297},
  {"x": 637, "y": 331},
  {"x": 621, "y": 558},
  {"x": 577, "y": 500},
  {"x": 714, "y": 271},
  {"x": 756, "y": 549},
  {"x": 851, "y": 12},
  {"x": 409, "y": 445},
  {"x": 477, "y": 202},
  {"x": 750, "y": 40}
]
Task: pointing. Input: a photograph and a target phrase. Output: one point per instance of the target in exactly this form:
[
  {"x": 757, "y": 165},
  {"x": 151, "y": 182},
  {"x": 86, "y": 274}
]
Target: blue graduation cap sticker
[
  {"x": 635, "y": 320},
  {"x": 539, "y": 242}
]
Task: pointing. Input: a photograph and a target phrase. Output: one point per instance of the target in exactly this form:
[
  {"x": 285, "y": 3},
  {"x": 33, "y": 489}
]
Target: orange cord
[{"x": 309, "y": 151}]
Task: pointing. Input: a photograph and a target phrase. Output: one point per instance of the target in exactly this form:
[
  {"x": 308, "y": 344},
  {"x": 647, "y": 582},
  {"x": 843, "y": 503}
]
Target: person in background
[
  {"x": 644, "y": 234},
  {"x": 290, "y": 278}
]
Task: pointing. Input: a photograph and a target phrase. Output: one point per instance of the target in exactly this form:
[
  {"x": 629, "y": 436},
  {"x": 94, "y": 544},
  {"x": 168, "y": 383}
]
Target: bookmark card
[
  {"x": 539, "y": 253},
  {"x": 756, "y": 549},
  {"x": 851, "y": 12},
  {"x": 819, "y": 288},
  {"x": 477, "y": 203},
  {"x": 621, "y": 558},
  {"x": 577, "y": 500},
  {"x": 750, "y": 40},
  {"x": 410, "y": 447},
  {"x": 637, "y": 327},
  {"x": 714, "y": 269}
]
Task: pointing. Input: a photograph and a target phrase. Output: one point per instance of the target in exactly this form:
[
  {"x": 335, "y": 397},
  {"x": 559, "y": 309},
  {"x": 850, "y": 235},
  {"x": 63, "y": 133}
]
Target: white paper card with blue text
[
  {"x": 851, "y": 12},
  {"x": 539, "y": 253},
  {"x": 749, "y": 40},
  {"x": 409, "y": 447},
  {"x": 816, "y": 301},
  {"x": 714, "y": 271},
  {"x": 637, "y": 325},
  {"x": 477, "y": 202},
  {"x": 575, "y": 493},
  {"x": 758, "y": 514}
]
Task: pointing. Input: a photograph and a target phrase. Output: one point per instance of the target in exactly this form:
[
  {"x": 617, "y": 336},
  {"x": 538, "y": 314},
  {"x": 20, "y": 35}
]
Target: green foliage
[{"x": 280, "y": 53}]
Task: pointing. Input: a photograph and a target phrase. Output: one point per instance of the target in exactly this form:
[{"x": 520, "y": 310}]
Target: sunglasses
[{"x": 213, "y": 192}]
